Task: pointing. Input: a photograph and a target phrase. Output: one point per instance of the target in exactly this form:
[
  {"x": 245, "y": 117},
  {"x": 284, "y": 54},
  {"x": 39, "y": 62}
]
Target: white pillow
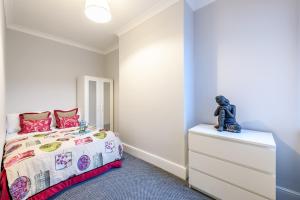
[
  {"x": 12, "y": 123},
  {"x": 78, "y": 113},
  {"x": 53, "y": 122}
]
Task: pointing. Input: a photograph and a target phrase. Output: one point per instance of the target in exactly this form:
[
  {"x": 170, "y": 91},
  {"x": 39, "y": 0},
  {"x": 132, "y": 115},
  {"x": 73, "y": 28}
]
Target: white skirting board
[
  {"x": 288, "y": 194},
  {"x": 169, "y": 166}
]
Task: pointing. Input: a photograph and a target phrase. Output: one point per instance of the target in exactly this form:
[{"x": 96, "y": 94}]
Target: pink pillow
[
  {"x": 59, "y": 114},
  {"x": 68, "y": 122},
  {"x": 30, "y": 126}
]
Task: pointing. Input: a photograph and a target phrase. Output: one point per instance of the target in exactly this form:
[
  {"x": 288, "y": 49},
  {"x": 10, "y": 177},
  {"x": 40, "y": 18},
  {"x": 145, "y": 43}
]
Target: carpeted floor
[{"x": 136, "y": 180}]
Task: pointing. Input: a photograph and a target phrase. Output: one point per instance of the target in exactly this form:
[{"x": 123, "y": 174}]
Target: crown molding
[
  {"x": 53, "y": 38},
  {"x": 162, "y": 5},
  {"x": 7, "y": 7},
  {"x": 154, "y": 10},
  {"x": 197, "y": 4},
  {"x": 113, "y": 48}
]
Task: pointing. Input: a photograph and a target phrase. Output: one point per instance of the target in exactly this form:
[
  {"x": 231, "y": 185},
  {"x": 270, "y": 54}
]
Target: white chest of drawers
[{"x": 232, "y": 166}]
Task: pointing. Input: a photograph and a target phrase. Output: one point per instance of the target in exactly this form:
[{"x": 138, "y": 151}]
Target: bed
[{"x": 39, "y": 165}]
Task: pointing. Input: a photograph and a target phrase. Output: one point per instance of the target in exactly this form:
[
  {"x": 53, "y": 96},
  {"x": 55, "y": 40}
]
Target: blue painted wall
[{"x": 249, "y": 51}]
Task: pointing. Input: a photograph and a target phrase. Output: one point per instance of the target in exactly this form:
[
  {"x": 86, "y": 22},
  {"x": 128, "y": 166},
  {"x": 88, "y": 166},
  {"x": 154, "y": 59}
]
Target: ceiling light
[{"x": 97, "y": 11}]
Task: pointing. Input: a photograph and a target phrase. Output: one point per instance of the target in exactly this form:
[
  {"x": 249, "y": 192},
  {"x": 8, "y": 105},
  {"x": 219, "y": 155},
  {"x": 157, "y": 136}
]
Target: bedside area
[{"x": 232, "y": 166}]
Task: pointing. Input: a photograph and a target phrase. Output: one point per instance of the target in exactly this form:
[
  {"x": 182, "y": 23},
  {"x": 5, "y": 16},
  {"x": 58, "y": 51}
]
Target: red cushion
[
  {"x": 68, "y": 122},
  {"x": 30, "y": 126},
  {"x": 58, "y": 114}
]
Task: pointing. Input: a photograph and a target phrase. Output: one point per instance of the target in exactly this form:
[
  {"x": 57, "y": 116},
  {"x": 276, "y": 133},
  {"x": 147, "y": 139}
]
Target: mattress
[{"x": 35, "y": 162}]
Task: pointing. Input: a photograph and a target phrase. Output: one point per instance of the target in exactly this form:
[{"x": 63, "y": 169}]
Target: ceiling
[{"x": 64, "y": 20}]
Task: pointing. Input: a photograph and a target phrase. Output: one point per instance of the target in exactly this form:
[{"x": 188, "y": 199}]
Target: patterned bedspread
[{"x": 34, "y": 162}]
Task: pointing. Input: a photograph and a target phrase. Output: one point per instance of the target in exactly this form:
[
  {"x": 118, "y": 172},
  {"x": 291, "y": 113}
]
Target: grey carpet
[{"x": 135, "y": 180}]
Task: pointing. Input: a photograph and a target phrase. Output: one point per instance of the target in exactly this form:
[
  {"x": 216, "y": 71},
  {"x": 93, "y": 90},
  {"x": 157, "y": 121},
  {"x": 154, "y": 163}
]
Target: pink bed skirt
[{"x": 45, "y": 194}]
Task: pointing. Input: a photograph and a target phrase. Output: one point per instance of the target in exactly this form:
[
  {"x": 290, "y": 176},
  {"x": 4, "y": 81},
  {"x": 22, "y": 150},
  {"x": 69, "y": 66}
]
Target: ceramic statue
[{"x": 226, "y": 113}]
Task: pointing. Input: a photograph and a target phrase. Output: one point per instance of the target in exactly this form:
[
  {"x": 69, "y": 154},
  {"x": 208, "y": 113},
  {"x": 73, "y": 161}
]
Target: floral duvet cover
[{"x": 34, "y": 162}]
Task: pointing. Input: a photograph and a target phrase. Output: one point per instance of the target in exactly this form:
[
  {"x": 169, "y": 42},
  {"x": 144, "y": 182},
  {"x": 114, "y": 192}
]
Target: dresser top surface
[{"x": 246, "y": 136}]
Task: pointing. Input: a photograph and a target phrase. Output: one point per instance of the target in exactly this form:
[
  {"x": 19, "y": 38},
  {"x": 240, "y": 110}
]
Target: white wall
[
  {"x": 151, "y": 111},
  {"x": 189, "y": 70},
  {"x": 111, "y": 70},
  {"x": 205, "y": 60},
  {"x": 2, "y": 80},
  {"x": 41, "y": 74},
  {"x": 246, "y": 50},
  {"x": 298, "y": 55}
]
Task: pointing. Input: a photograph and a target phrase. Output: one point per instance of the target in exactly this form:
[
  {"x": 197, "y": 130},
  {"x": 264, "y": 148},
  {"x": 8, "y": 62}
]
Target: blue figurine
[
  {"x": 226, "y": 116},
  {"x": 82, "y": 126}
]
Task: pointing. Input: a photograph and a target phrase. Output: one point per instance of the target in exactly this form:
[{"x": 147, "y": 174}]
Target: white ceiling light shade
[{"x": 97, "y": 11}]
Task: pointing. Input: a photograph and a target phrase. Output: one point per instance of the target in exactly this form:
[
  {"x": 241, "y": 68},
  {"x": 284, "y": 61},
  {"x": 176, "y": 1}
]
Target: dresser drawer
[
  {"x": 248, "y": 179},
  {"x": 218, "y": 188},
  {"x": 257, "y": 157}
]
